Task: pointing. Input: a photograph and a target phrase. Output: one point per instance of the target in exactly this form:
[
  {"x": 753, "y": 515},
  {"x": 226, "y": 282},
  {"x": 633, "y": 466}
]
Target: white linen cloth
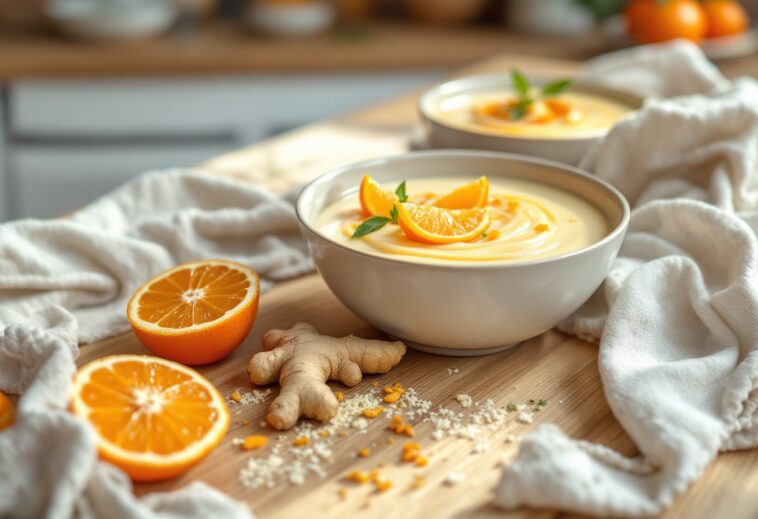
[
  {"x": 676, "y": 317},
  {"x": 67, "y": 281}
]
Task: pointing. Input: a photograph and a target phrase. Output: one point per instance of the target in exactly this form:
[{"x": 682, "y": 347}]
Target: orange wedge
[
  {"x": 468, "y": 196},
  {"x": 7, "y": 412},
  {"x": 196, "y": 313},
  {"x": 375, "y": 200},
  {"x": 153, "y": 418},
  {"x": 434, "y": 225}
]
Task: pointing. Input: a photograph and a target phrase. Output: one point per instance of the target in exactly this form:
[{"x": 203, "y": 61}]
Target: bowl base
[{"x": 456, "y": 352}]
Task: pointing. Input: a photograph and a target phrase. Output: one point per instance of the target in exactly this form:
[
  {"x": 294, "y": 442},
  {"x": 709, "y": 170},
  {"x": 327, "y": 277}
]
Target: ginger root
[{"x": 303, "y": 361}]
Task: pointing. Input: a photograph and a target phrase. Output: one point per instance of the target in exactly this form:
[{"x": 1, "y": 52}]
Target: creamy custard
[
  {"x": 591, "y": 115},
  {"x": 529, "y": 221}
]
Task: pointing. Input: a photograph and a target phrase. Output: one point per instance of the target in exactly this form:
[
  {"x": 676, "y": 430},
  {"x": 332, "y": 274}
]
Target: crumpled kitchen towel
[
  {"x": 67, "y": 281},
  {"x": 676, "y": 317}
]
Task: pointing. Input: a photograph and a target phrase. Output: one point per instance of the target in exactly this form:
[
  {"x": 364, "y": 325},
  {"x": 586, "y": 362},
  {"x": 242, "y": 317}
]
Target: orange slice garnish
[
  {"x": 153, "y": 418},
  {"x": 196, "y": 313},
  {"x": 375, "y": 200},
  {"x": 468, "y": 196},
  {"x": 7, "y": 412},
  {"x": 429, "y": 224}
]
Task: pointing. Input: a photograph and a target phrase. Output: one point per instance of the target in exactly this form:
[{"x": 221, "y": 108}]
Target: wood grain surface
[
  {"x": 226, "y": 48},
  {"x": 552, "y": 366}
]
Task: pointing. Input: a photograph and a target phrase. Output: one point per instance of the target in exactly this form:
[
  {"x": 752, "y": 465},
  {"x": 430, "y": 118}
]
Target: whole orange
[
  {"x": 724, "y": 18},
  {"x": 654, "y": 21},
  {"x": 636, "y": 15}
]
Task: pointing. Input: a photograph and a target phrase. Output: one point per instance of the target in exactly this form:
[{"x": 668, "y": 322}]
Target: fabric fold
[
  {"x": 675, "y": 318},
  {"x": 66, "y": 282}
]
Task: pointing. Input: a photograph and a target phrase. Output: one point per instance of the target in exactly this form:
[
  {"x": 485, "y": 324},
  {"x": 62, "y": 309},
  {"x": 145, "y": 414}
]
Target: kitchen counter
[
  {"x": 220, "y": 48},
  {"x": 553, "y": 366}
]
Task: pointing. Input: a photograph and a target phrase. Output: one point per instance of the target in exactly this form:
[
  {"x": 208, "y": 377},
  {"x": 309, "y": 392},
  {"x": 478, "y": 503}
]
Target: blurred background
[{"x": 94, "y": 92}]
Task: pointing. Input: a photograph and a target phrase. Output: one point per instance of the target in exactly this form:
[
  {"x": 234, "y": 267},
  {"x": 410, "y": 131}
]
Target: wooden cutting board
[{"x": 552, "y": 366}]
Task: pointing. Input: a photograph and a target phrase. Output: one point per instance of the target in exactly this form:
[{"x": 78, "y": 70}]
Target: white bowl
[
  {"x": 115, "y": 20},
  {"x": 440, "y": 133},
  {"x": 461, "y": 309},
  {"x": 295, "y": 20}
]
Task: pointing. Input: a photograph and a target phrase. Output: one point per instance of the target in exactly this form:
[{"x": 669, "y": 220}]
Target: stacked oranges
[{"x": 653, "y": 21}]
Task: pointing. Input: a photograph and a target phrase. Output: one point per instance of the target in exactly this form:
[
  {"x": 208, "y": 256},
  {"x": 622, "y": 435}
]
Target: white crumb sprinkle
[
  {"x": 255, "y": 396},
  {"x": 263, "y": 424},
  {"x": 465, "y": 400},
  {"x": 525, "y": 417},
  {"x": 512, "y": 438},
  {"x": 454, "y": 478},
  {"x": 481, "y": 446},
  {"x": 452, "y": 371},
  {"x": 560, "y": 401}
]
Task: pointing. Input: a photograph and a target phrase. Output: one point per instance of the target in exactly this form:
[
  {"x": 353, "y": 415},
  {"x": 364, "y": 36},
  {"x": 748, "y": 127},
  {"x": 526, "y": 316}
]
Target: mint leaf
[
  {"x": 393, "y": 214},
  {"x": 520, "y": 83},
  {"x": 371, "y": 225},
  {"x": 400, "y": 192},
  {"x": 556, "y": 87},
  {"x": 518, "y": 111}
]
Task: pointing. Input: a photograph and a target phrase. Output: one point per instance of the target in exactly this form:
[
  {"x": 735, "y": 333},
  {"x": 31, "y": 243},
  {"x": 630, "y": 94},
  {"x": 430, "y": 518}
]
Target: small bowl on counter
[
  {"x": 118, "y": 20},
  {"x": 448, "y": 121},
  {"x": 461, "y": 308}
]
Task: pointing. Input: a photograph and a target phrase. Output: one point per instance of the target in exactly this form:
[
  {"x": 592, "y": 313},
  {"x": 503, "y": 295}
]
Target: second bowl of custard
[{"x": 472, "y": 113}]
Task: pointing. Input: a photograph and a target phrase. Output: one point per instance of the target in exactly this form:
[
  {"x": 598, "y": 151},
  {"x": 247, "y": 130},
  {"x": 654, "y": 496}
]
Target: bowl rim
[
  {"x": 636, "y": 100},
  {"x": 619, "y": 229}
]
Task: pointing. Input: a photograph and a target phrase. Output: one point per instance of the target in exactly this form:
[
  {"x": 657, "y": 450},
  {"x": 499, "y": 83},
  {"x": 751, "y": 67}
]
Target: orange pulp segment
[
  {"x": 375, "y": 200},
  {"x": 434, "y": 225},
  {"x": 7, "y": 412},
  {"x": 153, "y": 418},
  {"x": 468, "y": 196},
  {"x": 196, "y": 313}
]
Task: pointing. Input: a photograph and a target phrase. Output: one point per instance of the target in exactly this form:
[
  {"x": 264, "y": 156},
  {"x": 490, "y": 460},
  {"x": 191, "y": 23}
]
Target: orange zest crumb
[
  {"x": 408, "y": 430},
  {"x": 253, "y": 441},
  {"x": 358, "y": 476},
  {"x": 392, "y": 397},
  {"x": 493, "y": 235},
  {"x": 411, "y": 451},
  {"x": 323, "y": 433},
  {"x": 236, "y": 396},
  {"x": 372, "y": 412},
  {"x": 364, "y": 452},
  {"x": 540, "y": 227},
  {"x": 382, "y": 485},
  {"x": 422, "y": 461},
  {"x": 418, "y": 482},
  {"x": 302, "y": 441},
  {"x": 374, "y": 475},
  {"x": 340, "y": 396}
]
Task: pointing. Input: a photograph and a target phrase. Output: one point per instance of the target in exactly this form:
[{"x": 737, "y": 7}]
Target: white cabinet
[{"x": 70, "y": 141}]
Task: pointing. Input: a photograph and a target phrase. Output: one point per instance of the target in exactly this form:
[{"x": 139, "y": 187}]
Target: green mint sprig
[
  {"x": 375, "y": 223},
  {"x": 523, "y": 88}
]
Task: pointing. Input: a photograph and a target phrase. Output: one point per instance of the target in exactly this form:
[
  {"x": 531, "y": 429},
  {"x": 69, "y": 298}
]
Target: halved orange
[
  {"x": 7, "y": 412},
  {"x": 429, "y": 224},
  {"x": 196, "y": 313},
  {"x": 153, "y": 418},
  {"x": 468, "y": 196},
  {"x": 375, "y": 200}
]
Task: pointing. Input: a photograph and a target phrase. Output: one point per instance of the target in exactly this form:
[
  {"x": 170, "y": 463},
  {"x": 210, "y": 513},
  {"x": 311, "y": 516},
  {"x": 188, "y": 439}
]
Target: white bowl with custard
[
  {"x": 472, "y": 112},
  {"x": 553, "y": 233}
]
